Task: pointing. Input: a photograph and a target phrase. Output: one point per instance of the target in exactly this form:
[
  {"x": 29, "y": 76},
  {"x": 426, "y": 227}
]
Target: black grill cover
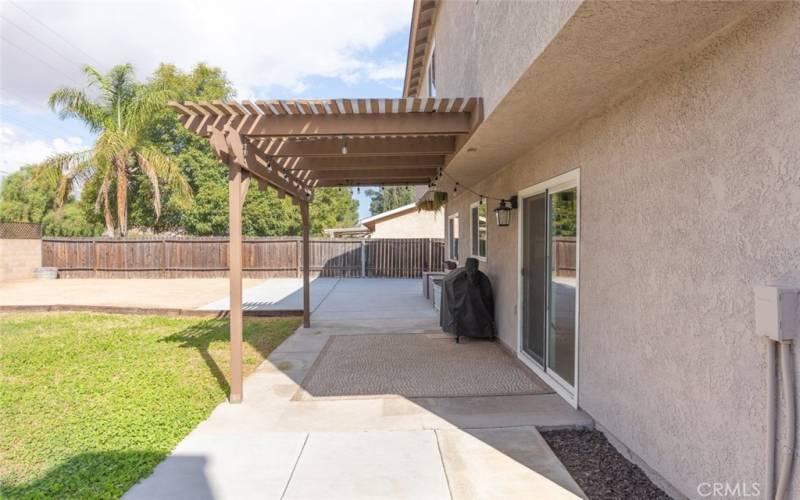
[{"x": 467, "y": 308}]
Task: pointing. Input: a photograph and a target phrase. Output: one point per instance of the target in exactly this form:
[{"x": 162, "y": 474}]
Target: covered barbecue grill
[{"x": 467, "y": 303}]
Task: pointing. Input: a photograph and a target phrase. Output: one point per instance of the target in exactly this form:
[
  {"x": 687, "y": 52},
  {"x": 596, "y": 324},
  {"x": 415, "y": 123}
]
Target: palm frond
[
  {"x": 141, "y": 110},
  {"x": 74, "y": 103},
  {"x": 152, "y": 176},
  {"x": 113, "y": 144},
  {"x": 95, "y": 77},
  {"x": 167, "y": 171},
  {"x": 63, "y": 170},
  {"x": 103, "y": 197},
  {"x": 120, "y": 166}
]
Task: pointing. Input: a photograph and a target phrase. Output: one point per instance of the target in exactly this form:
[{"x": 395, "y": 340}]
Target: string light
[{"x": 483, "y": 197}]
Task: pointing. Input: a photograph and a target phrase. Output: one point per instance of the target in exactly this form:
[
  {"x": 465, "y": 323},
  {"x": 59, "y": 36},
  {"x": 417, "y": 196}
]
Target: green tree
[
  {"x": 69, "y": 220},
  {"x": 388, "y": 198},
  {"x": 190, "y": 152},
  {"x": 163, "y": 206},
  {"x": 27, "y": 198},
  {"x": 121, "y": 114},
  {"x": 332, "y": 208},
  {"x": 565, "y": 221},
  {"x": 263, "y": 214},
  {"x": 24, "y": 200}
]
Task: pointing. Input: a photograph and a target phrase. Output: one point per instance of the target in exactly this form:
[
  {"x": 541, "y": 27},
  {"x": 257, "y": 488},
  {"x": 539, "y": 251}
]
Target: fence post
[
  {"x": 164, "y": 258},
  {"x": 94, "y": 258},
  {"x": 297, "y": 249},
  {"x": 363, "y": 260},
  {"x": 430, "y": 255}
]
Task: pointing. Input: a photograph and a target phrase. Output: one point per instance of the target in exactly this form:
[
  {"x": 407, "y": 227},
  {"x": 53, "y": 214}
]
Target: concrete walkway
[{"x": 272, "y": 446}]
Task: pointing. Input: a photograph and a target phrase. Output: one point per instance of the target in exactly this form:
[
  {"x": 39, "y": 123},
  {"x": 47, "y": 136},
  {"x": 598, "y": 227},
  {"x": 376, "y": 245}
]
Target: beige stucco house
[
  {"x": 401, "y": 222},
  {"x": 654, "y": 150}
]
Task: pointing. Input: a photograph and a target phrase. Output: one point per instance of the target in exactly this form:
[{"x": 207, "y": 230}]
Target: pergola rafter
[
  {"x": 384, "y": 137},
  {"x": 296, "y": 146}
]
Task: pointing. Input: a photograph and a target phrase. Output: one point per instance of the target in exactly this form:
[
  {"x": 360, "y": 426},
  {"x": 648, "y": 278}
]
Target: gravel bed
[{"x": 599, "y": 469}]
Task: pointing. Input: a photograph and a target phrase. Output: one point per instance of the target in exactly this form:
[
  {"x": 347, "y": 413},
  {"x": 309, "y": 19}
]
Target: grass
[{"x": 90, "y": 403}]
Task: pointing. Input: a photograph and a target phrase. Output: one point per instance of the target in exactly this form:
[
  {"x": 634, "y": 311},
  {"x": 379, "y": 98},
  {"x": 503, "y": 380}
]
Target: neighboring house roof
[
  {"x": 389, "y": 214},
  {"x": 347, "y": 232},
  {"x": 423, "y": 21}
]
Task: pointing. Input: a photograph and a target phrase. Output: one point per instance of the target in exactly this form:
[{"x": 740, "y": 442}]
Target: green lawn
[{"x": 90, "y": 403}]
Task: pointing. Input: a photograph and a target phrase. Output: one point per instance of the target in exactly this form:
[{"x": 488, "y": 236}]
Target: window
[
  {"x": 452, "y": 237},
  {"x": 478, "y": 227},
  {"x": 432, "y": 71}
]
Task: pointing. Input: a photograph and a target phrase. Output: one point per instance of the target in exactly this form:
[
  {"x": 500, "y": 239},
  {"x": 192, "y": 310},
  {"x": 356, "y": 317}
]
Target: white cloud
[
  {"x": 264, "y": 46},
  {"x": 18, "y": 150},
  {"x": 388, "y": 71}
]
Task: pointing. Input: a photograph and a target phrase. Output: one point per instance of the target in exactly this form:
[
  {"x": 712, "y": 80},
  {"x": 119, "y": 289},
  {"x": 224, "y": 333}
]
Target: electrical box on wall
[{"x": 777, "y": 312}]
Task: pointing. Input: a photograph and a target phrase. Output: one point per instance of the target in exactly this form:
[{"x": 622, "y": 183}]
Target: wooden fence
[
  {"x": 564, "y": 256},
  {"x": 261, "y": 257}
]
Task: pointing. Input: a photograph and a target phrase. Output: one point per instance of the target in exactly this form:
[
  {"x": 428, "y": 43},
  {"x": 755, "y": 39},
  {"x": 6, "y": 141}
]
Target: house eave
[{"x": 585, "y": 70}]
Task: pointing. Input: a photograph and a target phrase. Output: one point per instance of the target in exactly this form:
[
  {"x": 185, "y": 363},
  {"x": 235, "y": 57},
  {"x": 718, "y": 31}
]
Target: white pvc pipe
[
  {"x": 787, "y": 374},
  {"x": 772, "y": 395}
]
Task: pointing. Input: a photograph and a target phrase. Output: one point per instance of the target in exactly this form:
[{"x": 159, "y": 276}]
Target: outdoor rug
[{"x": 414, "y": 366}]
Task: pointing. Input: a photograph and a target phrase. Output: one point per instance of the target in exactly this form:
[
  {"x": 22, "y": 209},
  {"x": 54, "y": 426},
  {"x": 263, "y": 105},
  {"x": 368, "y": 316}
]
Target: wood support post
[
  {"x": 306, "y": 265},
  {"x": 235, "y": 200},
  {"x": 298, "y": 252}
]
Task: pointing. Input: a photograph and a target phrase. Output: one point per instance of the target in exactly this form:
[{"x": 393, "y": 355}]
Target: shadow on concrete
[
  {"x": 105, "y": 475},
  {"x": 490, "y": 440}
]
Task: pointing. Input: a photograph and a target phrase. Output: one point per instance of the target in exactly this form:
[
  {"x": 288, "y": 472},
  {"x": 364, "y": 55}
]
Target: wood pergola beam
[
  {"x": 408, "y": 173},
  {"x": 360, "y": 146},
  {"x": 334, "y": 125},
  {"x": 352, "y": 163},
  {"x": 383, "y": 181},
  {"x": 230, "y": 147}
]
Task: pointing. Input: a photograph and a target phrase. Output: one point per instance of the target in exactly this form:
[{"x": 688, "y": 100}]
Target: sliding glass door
[
  {"x": 548, "y": 274},
  {"x": 534, "y": 277}
]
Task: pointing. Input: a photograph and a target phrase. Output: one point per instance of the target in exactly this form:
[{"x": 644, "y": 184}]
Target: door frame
[{"x": 565, "y": 180}]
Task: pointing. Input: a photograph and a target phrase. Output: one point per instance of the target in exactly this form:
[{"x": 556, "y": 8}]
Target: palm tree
[{"x": 120, "y": 114}]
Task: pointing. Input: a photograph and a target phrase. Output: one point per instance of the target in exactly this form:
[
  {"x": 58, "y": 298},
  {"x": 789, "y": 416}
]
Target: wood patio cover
[{"x": 295, "y": 146}]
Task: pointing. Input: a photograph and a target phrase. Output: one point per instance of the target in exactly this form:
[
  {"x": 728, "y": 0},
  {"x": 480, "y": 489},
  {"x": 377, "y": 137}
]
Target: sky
[{"x": 269, "y": 49}]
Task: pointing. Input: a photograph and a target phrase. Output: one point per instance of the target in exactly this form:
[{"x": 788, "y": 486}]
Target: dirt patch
[{"x": 599, "y": 469}]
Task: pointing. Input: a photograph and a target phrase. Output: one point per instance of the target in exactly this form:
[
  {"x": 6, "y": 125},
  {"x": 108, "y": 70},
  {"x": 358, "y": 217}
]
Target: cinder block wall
[{"x": 19, "y": 258}]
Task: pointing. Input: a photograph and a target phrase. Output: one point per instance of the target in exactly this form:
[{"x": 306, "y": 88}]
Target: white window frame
[
  {"x": 451, "y": 237},
  {"x": 473, "y": 232},
  {"x": 564, "y": 181}
]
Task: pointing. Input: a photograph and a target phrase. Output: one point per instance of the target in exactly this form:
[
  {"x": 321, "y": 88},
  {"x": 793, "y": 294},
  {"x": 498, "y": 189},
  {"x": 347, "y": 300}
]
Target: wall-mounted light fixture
[
  {"x": 344, "y": 145},
  {"x": 503, "y": 211}
]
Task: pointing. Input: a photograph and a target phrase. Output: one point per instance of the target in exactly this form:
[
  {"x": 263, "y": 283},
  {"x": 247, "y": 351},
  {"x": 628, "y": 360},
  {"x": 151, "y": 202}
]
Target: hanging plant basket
[{"x": 432, "y": 201}]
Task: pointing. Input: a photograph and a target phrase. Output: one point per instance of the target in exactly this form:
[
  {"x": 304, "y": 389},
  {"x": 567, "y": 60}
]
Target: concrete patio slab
[
  {"x": 145, "y": 293},
  {"x": 378, "y": 464},
  {"x": 502, "y": 464},
  {"x": 381, "y": 447},
  {"x": 277, "y": 294},
  {"x": 376, "y": 299},
  {"x": 237, "y": 465}
]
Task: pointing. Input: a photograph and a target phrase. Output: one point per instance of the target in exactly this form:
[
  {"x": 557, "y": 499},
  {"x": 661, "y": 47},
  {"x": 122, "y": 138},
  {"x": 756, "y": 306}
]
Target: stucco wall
[
  {"x": 19, "y": 258},
  {"x": 482, "y": 48},
  {"x": 412, "y": 225},
  {"x": 690, "y": 196}
]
